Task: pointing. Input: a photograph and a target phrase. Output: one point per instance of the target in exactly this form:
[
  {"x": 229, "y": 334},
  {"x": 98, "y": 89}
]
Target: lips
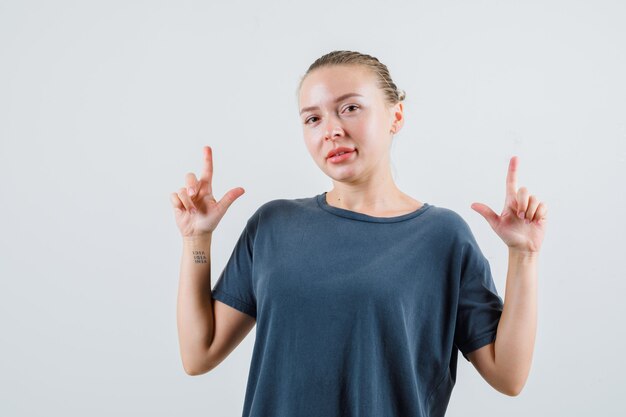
[{"x": 341, "y": 149}]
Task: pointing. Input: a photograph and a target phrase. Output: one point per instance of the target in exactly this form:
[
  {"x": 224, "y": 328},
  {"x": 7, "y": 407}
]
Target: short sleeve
[
  {"x": 234, "y": 285},
  {"x": 479, "y": 304}
]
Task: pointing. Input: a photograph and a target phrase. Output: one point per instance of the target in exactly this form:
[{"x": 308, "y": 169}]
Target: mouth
[
  {"x": 339, "y": 150},
  {"x": 341, "y": 156}
]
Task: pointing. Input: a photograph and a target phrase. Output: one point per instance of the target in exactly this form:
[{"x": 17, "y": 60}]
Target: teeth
[{"x": 340, "y": 153}]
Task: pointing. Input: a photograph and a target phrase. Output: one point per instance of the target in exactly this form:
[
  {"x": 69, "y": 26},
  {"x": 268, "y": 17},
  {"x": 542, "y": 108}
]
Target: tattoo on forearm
[{"x": 199, "y": 257}]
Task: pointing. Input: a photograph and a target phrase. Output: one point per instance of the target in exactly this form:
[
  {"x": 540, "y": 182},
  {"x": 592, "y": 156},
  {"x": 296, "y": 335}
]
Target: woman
[{"x": 362, "y": 296}]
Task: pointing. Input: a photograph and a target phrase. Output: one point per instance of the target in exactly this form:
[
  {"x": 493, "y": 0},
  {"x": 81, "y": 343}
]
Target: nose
[{"x": 333, "y": 129}]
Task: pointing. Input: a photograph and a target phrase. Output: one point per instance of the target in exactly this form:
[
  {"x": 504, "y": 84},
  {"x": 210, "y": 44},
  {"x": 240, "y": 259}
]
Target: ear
[{"x": 397, "y": 112}]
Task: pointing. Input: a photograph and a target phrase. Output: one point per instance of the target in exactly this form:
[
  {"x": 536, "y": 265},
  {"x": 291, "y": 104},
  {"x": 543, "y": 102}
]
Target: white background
[{"x": 105, "y": 106}]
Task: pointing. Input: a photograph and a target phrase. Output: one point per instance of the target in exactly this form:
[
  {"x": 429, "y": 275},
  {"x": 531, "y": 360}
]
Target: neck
[{"x": 372, "y": 196}]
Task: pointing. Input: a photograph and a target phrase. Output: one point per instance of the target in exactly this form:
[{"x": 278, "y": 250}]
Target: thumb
[
  {"x": 229, "y": 197},
  {"x": 486, "y": 212}
]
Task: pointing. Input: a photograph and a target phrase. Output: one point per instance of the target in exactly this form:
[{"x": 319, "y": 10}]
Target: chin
[{"x": 342, "y": 176}]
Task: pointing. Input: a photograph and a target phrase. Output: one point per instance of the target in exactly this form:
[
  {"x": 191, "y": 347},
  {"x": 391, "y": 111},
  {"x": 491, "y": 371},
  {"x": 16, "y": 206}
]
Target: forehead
[{"x": 326, "y": 83}]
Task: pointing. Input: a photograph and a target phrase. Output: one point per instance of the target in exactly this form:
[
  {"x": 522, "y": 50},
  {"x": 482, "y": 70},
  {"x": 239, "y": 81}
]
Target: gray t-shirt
[{"x": 357, "y": 315}]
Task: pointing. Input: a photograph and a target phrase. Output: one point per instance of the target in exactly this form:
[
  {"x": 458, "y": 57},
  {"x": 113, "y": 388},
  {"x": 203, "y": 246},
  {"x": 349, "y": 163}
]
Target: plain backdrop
[{"x": 105, "y": 106}]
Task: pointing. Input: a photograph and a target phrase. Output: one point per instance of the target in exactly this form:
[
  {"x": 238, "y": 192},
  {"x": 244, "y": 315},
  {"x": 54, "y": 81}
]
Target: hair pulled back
[{"x": 392, "y": 94}]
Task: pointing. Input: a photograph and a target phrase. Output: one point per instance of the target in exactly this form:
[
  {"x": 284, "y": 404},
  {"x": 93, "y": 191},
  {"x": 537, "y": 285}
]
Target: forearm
[
  {"x": 195, "y": 307},
  {"x": 516, "y": 332}
]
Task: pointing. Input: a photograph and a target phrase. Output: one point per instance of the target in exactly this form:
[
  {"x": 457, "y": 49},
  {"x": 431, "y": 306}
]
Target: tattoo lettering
[{"x": 199, "y": 257}]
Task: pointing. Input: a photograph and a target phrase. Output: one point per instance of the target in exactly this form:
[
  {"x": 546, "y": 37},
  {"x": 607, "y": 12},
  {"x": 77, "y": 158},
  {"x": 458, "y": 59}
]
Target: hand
[
  {"x": 523, "y": 234},
  {"x": 197, "y": 212}
]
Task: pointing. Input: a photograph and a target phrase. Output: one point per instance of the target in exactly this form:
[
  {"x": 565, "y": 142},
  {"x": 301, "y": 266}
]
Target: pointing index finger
[
  {"x": 207, "y": 169},
  {"x": 511, "y": 177}
]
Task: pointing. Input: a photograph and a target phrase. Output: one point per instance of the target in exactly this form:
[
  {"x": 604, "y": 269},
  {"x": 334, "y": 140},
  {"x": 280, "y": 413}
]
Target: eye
[
  {"x": 350, "y": 106},
  {"x": 309, "y": 119}
]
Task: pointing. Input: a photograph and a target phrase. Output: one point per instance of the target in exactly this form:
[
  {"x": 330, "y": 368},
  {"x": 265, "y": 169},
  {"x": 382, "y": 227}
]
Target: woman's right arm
[
  {"x": 208, "y": 330},
  {"x": 194, "y": 314}
]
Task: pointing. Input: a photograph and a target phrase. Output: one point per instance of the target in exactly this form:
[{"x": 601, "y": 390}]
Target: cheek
[
  {"x": 364, "y": 124},
  {"x": 313, "y": 137},
  {"x": 311, "y": 143}
]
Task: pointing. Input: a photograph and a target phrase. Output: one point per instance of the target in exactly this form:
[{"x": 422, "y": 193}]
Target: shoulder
[
  {"x": 448, "y": 218},
  {"x": 449, "y": 225},
  {"x": 282, "y": 208}
]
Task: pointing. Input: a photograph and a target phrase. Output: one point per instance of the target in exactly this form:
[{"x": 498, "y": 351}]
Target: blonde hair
[{"x": 392, "y": 94}]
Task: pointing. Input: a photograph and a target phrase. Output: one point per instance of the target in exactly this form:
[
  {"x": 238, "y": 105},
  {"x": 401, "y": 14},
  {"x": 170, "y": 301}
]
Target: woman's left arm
[{"x": 505, "y": 364}]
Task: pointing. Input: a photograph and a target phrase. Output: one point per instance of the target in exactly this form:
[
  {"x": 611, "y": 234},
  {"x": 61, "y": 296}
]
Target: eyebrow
[{"x": 337, "y": 100}]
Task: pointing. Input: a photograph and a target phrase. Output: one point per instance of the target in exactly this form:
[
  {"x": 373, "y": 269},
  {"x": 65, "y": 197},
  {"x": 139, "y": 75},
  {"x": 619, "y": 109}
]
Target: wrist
[
  {"x": 198, "y": 239},
  {"x": 523, "y": 255}
]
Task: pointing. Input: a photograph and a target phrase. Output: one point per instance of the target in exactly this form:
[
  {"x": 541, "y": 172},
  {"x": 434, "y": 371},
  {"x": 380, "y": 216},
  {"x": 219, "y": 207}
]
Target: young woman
[{"x": 362, "y": 296}]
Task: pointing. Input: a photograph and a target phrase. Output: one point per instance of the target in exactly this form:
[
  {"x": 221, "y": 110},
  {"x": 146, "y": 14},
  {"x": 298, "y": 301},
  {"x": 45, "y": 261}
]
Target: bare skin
[
  {"x": 208, "y": 330},
  {"x": 505, "y": 364}
]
